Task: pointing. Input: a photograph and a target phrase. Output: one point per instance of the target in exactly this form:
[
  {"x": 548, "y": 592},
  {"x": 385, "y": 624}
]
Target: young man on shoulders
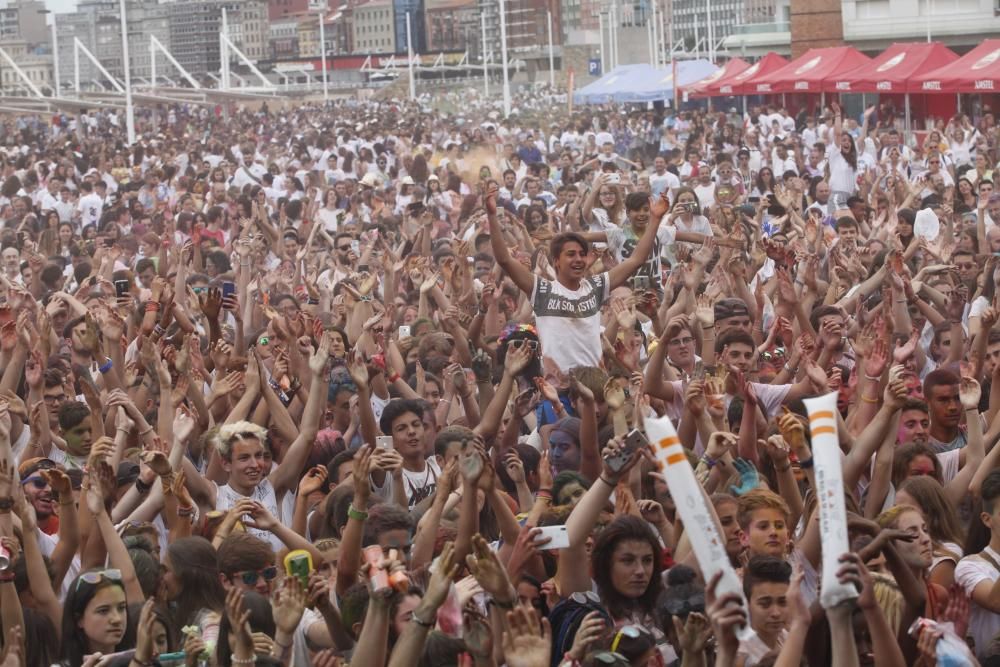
[{"x": 568, "y": 310}]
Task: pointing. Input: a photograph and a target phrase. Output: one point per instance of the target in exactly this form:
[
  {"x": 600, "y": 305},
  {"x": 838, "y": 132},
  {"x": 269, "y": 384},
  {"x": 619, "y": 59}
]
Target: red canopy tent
[
  {"x": 738, "y": 84},
  {"x": 889, "y": 71},
  {"x": 731, "y": 68},
  {"x": 978, "y": 71},
  {"x": 807, "y": 73}
]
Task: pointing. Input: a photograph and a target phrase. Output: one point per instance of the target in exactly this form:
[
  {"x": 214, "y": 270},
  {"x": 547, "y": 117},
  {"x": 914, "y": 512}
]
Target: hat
[
  {"x": 407, "y": 181},
  {"x": 432, "y": 177},
  {"x": 732, "y": 307},
  {"x": 127, "y": 473},
  {"x": 31, "y": 466},
  {"x": 370, "y": 180}
]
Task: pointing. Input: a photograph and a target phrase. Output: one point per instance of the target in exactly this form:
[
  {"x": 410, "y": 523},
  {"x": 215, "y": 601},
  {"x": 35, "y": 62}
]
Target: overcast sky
[{"x": 60, "y": 6}]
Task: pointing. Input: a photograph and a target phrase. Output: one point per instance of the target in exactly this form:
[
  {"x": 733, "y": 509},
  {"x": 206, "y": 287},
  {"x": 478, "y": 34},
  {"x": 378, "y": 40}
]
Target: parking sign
[{"x": 594, "y": 67}]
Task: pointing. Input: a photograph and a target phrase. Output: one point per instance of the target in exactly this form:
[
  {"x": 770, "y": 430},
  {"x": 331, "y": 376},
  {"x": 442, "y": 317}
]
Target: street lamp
[
  {"x": 55, "y": 53},
  {"x": 129, "y": 110}
]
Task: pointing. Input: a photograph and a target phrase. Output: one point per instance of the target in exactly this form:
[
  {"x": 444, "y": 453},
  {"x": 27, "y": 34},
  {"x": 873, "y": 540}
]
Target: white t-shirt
[
  {"x": 843, "y": 177},
  {"x": 90, "y": 207},
  {"x": 622, "y": 242},
  {"x": 666, "y": 182},
  {"x": 569, "y": 321},
  {"x": 226, "y": 497},
  {"x": 984, "y": 625},
  {"x": 418, "y": 485}
]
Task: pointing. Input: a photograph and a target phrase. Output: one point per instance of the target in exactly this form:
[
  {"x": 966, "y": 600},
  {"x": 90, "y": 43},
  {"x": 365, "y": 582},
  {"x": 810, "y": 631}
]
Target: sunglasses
[
  {"x": 37, "y": 482},
  {"x": 95, "y": 577},
  {"x": 250, "y": 577},
  {"x": 343, "y": 248},
  {"x": 610, "y": 658},
  {"x": 585, "y": 597},
  {"x": 682, "y": 606},
  {"x": 521, "y": 342}
]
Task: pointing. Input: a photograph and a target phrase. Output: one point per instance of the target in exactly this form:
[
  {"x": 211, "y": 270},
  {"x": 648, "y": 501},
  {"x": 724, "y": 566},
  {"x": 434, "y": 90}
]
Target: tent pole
[
  {"x": 958, "y": 103},
  {"x": 822, "y": 100}
]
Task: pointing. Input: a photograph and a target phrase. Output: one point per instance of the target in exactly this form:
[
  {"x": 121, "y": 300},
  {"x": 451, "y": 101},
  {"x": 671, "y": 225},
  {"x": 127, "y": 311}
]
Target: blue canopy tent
[{"x": 642, "y": 83}]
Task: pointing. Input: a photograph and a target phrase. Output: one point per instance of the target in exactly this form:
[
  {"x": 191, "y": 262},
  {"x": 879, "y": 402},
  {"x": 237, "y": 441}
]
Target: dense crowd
[{"x": 388, "y": 383}]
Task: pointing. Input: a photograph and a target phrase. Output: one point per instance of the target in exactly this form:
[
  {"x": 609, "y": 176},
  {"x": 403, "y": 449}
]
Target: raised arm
[
  {"x": 620, "y": 273},
  {"x": 286, "y": 476},
  {"x": 520, "y": 274}
]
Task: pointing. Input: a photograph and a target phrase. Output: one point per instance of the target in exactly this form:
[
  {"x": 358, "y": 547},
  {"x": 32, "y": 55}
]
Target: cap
[
  {"x": 127, "y": 473},
  {"x": 407, "y": 181},
  {"x": 370, "y": 180},
  {"x": 31, "y": 466},
  {"x": 726, "y": 308}
]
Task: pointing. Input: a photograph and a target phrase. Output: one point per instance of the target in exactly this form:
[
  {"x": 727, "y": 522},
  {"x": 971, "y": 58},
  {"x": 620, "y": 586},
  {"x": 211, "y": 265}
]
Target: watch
[{"x": 6, "y": 504}]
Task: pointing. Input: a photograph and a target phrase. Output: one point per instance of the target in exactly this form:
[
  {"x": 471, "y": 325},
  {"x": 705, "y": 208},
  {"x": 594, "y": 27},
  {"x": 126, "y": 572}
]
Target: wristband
[
  {"x": 6, "y": 577},
  {"x": 158, "y": 330},
  {"x": 6, "y": 504},
  {"x": 866, "y": 399},
  {"x": 392, "y": 378},
  {"x": 142, "y": 487},
  {"x": 806, "y": 464},
  {"x": 873, "y": 379},
  {"x": 312, "y": 301},
  {"x": 709, "y": 461},
  {"x": 185, "y": 511},
  {"x": 106, "y": 366},
  {"x": 356, "y": 514},
  {"x": 789, "y": 368},
  {"x": 427, "y": 624}
]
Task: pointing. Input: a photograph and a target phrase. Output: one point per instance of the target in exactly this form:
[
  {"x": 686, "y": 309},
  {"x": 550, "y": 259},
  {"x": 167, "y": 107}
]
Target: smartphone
[
  {"x": 299, "y": 564},
  {"x": 362, "y": 268},
  {"x": 634, "y": 441},
  {"x": 404, "y": 331},
  {"x": 383, "y": 442},
  {"x": 558, "y": 537},
  {"x": 121, "y": 288},
  {"x": 614, "y": 179},
  {"x": 640, "y": 283},
  {"x": 228, "y": 289},
  {"x": 356, "y": 248}
]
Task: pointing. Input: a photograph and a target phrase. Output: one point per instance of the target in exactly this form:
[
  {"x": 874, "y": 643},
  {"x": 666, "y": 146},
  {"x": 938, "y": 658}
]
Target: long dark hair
[
  {"x": 196, "y": 565},
  {"x": 74, "y": 641},
  {"x": 622, "y": 529},
  {"x": 852, "y": 155},
  {"x": 261, "y": 620}
]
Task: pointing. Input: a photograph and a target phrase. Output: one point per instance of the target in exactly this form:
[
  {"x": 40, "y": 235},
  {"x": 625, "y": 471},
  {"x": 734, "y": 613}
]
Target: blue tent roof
[{"x": 642, "y": 82}]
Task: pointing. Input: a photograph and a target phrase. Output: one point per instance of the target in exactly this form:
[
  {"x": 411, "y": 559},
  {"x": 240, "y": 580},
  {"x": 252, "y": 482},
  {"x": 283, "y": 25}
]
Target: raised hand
[
  {"x": 749, "y": 478},
  {"x": 527, "y": 642}
]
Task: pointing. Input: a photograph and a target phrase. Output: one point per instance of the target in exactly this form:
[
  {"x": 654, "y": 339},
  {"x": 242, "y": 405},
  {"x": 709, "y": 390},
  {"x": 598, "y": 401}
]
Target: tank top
[{"x": 264, "y": 493}]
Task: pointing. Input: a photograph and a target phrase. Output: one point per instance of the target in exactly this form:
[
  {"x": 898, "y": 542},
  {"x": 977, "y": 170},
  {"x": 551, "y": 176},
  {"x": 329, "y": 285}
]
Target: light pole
[
  {"x": 322, "y": 50},
  {"x": 409, "y": 57},
  {"x": 552, "y": 54},
  {"x": 930, "y": 10},
  {"x": 486, "y": 70},
  {"x": 600, "y": 28},
  {"x": 55, "y": 53},
  {"x": 503, "y": 56},
  {"x": 708, "y": 30},
  {"x": 129, "y": 110}
]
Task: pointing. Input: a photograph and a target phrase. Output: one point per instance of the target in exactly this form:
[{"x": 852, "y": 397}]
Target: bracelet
[
  {"x": 867, "y": 399},
  {"x": 606, "y": 481},
  {"x": 543, "y": 495},
  {"x": 142, "y": 487},
  {"x": 7, "y": 577},
  {"x": 126, "y": 431},
  {"x": 312, "y": 301},
  {"x": 243, "y": 661},
  {"x": 427, "y": 624},
  {"x": 148, "y": 429},
  {"x": 152, "y": 306},
  {"x": 807, "y": 464},
  {"x": 185, "y": 511},
  {"x": 873, "y": 379},
  {"x": 6, "y": 504},
  {"x": 708, "y": 460},
  {"x": 789, "y": 368},
  {"x": 392, "y": 378},
  {"x": 106, "y": 366},
  {"x": 355, "y": 513},
  {"x": 158, "y": 330}
]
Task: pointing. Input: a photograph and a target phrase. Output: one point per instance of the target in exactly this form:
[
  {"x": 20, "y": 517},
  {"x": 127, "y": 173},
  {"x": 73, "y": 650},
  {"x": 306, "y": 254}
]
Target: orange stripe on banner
[
  {"x": 670, "y": 440},
  {"x": 675, "y": 458},
  {"x": 823, "y": 414},
  {"x": 819, "y": 430}
]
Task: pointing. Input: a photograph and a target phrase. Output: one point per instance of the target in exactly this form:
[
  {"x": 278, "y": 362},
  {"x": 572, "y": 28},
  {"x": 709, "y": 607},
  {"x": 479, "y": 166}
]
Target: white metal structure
[
  {"x": 225, "y": 46},
  {"x": 79, "y": 48},
  {"x": 156, "y": 45}
]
